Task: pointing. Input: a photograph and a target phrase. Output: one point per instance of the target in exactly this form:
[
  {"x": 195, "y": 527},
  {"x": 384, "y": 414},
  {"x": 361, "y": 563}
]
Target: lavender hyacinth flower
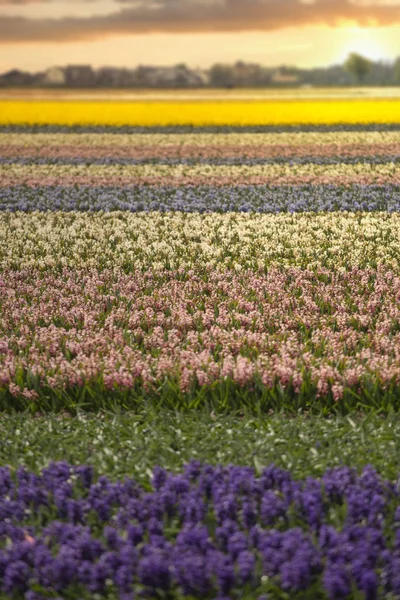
[{"x": 207, "y": 532}]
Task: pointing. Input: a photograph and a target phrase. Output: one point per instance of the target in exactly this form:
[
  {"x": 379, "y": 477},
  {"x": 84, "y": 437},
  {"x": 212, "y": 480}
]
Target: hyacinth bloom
[
  {"x": 201, "y": 199},
  {"x": 207, "y": 532},
  {"x": 192, "y": 265},
  {"x": 242, "y": 254},
  {"x": 216, "y": 175},
  {"x": 115, "y": 332}
]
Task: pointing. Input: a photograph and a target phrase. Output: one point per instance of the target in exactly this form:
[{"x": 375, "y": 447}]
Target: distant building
[
  {"x": 281, "y": 76},
  {"x": 193, "y": 77},
  {"x": 248, "y": 74},
  {"x": 170, "y": 77},
  {"x": 80, "y": 76},
  {"x": 162, "y": 76},
  {"x": 202, "y": 77},
  {"x": 114, "y": 77},
  {"x": 219, "y": 76},
  {"x": 107, "y": 77},
  {"x": 54, "y": 76}
]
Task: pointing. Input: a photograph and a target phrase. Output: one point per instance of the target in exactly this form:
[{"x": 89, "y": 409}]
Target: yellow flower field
[{"x": 198, "y": 113}]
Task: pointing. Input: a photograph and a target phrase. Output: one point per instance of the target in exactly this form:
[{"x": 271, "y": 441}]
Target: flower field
[
  {"x": 219, "y": 266},
  {"x": 209, "y": 532},
  {"x": 235, "y": 112},
  {"x": 194, "y": 267}
]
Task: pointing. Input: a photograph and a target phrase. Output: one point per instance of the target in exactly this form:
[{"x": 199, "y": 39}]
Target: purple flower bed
[
  {"x": 203, "y": 199},
  {"x": 209, "y": 532},
  {"x": 197, "y": 129}
]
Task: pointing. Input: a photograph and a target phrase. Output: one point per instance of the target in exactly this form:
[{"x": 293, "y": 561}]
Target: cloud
[
  {"x": 178, "y": 16},
  {"x": 21, "y": 2},
  {"x": 25, "y": 2}
]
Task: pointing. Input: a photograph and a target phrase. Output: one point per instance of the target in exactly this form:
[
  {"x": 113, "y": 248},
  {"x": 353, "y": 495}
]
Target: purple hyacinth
[{"x": 206, "y": 532}]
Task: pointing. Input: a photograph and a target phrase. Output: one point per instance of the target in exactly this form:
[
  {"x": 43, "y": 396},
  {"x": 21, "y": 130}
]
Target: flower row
[
  {"x": 200, "y": 113},
  {"x": 221, "y": 149},
  {"x": 203, "y": 174},
  {"x": 200, "y": 141},
  {"x": 43, "y": 128},
  {"x": 238, "y": 241},
  {"x": 76, "y": 159},
  {"x": 207, "y": 532},
  {"x": 201, "y": 199},
  {"x": 316, "y": 334}
]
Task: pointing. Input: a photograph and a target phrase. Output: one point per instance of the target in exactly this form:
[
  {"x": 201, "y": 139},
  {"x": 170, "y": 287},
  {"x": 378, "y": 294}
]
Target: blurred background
[{"x": 199, "y": 43}]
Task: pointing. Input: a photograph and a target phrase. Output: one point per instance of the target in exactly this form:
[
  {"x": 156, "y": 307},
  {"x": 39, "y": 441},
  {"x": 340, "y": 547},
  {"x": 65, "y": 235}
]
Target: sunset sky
[{"x": 35, "y": 34}]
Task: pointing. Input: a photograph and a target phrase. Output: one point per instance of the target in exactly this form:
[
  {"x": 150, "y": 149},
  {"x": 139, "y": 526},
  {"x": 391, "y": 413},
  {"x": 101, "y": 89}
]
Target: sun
[{"x": 367, "y": 41}]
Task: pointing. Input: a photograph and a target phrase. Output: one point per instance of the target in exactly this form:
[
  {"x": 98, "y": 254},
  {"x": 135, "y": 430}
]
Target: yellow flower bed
[{"x": 197, "y": 113}]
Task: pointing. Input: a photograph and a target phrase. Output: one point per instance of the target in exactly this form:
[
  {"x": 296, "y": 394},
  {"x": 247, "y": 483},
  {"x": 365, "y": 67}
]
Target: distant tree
[
  {"x": 396, "y": 70},
  {"x": 222, "y": 76},
  {"x": 358, "y": 66}
]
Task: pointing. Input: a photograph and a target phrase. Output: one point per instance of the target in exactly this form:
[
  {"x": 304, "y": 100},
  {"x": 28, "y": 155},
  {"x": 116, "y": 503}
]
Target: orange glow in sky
[
  {"x": 303, "y": 45},
  {"x": 372, "y": 42}
]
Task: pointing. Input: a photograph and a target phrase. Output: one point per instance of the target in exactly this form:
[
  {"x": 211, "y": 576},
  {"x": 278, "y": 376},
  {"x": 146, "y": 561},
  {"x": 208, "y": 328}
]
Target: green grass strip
[{"x": 132, "y": 444}]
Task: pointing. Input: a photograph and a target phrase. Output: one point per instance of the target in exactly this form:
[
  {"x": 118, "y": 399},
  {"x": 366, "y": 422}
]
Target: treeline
[{"x": 355, "y": 70}]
